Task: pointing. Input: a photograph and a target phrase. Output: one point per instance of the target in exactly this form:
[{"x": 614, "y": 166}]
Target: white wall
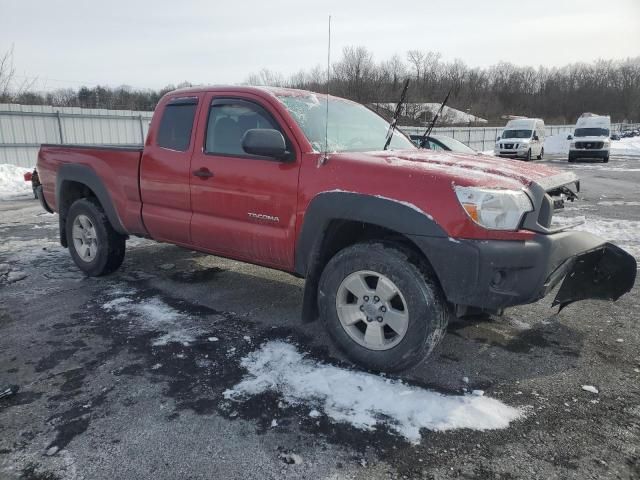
[{"x": 23, "y": 128}]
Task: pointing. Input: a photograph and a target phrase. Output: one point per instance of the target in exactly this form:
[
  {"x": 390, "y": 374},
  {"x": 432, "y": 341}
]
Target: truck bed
[{"x": 113, "y": 168}]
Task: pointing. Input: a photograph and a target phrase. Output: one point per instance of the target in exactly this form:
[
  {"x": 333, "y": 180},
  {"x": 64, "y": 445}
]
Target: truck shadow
[{"x": 525, "y": 343}]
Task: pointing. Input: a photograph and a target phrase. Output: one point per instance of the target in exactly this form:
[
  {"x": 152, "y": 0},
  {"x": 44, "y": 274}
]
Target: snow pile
[
  {"x": 362, "y": 399},
  {"x": 153, "y": 314},
  {"x": 12, "y": 184},
  {"x": 449, "y": 115},
  {"x": 626, "y": 146},
  {"x": 623, "y": 233},
  {"x": 557, "y": 144}
]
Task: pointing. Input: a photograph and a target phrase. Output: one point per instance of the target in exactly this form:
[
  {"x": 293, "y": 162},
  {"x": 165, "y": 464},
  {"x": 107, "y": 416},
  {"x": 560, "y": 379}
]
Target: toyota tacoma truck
[{"x": 392, "y": 241}]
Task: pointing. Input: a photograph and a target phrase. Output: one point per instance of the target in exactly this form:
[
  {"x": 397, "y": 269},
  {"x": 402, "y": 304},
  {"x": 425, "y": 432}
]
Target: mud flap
[{"x": 605, "y": 273}]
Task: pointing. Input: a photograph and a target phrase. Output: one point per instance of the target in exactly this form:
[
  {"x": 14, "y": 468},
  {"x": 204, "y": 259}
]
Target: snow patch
[
  {"x": 154, "y": 314},
  {"x": 624, "y": 233},
  {"x": 590, "y": 388},
  {"x": 12, "y": 184},
  {"x": 364, "y": 400},
  {"x": 618, "y": 203}
]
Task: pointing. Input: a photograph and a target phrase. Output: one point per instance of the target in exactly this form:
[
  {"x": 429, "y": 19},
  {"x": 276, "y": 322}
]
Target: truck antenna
[{"x": 325, "y": 156}]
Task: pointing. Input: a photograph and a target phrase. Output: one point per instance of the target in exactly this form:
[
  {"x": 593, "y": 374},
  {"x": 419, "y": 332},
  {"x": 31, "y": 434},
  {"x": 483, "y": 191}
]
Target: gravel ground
[{"x": 101, "y": 397}]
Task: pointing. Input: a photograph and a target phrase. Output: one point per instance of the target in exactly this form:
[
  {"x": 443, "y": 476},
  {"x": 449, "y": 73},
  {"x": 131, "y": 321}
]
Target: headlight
[{"x": 494, "y": 209}]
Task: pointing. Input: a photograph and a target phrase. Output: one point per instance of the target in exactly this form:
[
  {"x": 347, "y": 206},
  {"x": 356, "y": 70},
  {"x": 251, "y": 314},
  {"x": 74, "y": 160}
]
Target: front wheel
[
  {"x": 382, "y": 306},
  {"x": 96, "y": 248},
  {"x": 528, "y": 157},
  {"x": 605, "y": 159},
  {"x": 541, "y": 154}
]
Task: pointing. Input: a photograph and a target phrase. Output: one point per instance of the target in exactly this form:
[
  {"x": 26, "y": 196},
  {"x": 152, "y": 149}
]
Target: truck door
[
  {"x": 243, "y": 205},
  {"x": 164, "y": 170}
]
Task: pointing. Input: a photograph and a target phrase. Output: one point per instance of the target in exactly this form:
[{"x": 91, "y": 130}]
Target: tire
[
  {"x": 106, "y": 246},
  {"x": 605, "y": 159},
  {"x": 571, "y": 159},
  {"x": 541, "y": 154},
  {"x": 424, "y": 307},
  {"x": 528, "y": 157}
]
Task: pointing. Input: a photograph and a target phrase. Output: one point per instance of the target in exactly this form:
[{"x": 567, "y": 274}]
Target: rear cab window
[{"x": 176, "y": 124}]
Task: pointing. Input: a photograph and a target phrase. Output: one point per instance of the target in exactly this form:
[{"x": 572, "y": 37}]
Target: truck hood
[{"x": 475, "y": 170}]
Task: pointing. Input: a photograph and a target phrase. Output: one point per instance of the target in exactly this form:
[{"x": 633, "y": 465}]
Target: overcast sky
[{"x": 68, "y": 43}]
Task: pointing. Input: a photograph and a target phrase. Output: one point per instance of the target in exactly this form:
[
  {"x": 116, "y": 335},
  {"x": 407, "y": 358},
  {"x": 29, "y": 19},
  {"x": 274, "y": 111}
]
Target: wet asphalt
[{"x": 98, "y": 400}]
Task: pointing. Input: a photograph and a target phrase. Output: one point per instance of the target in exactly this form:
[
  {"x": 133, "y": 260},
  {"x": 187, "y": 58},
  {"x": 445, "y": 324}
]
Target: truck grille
[
  {"x": 549, "y": 195},
  {"x": 589, "y": 145},
  {"x": 508, "y": 145}
]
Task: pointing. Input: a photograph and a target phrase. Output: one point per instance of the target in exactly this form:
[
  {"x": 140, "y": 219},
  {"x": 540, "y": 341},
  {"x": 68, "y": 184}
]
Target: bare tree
[
  {"x": 266, "y": 77},
  {"x": 10, "y": 89}
]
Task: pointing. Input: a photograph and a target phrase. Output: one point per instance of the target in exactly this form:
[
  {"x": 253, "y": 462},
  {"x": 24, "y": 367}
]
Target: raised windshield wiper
[
  {"x": 423, "y": 140},
  {"x": 392, "y": 127}
]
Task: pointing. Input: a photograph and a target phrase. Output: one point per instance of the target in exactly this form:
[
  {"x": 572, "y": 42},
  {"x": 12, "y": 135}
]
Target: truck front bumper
[
  {"x": 511, "y": 153},
  {"x": 494, "y": 274},
  {"x": 588, "y": 153}
]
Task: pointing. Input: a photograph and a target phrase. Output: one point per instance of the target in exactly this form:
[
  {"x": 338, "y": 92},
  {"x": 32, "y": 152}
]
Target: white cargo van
[
  {"x": 521, "y": 138},
  {"x": 591, "y": 138}
]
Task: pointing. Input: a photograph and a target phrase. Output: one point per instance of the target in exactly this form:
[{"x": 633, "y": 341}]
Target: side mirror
[
  {"x": 569, "y": 137},
  {"x": 264, "y": 142},
  {"x": 497, "y": 139},
  {"x": 535, "y": 137}
]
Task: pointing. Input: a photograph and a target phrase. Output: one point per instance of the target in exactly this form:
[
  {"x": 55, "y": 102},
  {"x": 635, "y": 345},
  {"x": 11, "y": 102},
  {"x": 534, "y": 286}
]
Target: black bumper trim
[
  {"x": 42, "y": 200},
  {"x": 586, "y": 153},
  {"x": 494, "y": 274}
]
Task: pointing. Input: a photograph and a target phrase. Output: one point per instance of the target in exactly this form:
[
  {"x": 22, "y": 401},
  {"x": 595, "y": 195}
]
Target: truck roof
[
  {"x": 523, "y": 122},
  {"x": 260, "y": 90},
  {"x": 594, "y": 120}
]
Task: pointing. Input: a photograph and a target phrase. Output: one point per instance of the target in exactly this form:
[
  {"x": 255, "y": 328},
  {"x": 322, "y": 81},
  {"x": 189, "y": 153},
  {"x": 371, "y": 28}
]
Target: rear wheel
[
  {"x": 382, "y": 306},
  {"x": 96, "y": 248}
]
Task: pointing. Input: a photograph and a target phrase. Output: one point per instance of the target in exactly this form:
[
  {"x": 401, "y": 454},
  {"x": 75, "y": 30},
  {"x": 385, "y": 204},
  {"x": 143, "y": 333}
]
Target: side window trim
[
  {"x": 227, "y": 100},
  {"x": 183, "y": 101}
]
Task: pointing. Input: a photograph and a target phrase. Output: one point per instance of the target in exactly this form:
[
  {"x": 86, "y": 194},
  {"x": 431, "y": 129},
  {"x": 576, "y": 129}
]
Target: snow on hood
[{"x": 482, "y": 170}]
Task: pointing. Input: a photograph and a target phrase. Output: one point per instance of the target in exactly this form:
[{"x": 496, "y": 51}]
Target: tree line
[{"x": 558, "y": 95}]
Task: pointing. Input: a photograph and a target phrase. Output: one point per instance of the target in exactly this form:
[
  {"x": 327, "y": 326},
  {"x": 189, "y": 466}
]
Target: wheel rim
[
  {"x": 372, "y": 310},
  {"x": 85, "y": 239}
]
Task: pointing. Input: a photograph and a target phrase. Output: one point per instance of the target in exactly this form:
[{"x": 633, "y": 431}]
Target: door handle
[{"x": 203, "y": 173}]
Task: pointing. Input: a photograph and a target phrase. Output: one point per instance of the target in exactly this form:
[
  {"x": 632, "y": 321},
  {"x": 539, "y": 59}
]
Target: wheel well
[
  {"x": 70, "y": 191},
  {"x": 339, "y": 235}
]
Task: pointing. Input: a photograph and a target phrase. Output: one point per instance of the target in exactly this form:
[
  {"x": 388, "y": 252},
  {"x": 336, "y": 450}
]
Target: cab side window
[
  {"x": 229, "y": 120},
  {"x": 176, "y": 124}
]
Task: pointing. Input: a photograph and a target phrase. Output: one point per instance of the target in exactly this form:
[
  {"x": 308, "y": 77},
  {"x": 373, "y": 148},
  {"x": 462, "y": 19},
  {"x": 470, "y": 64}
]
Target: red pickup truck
[{"x": 391, "y": 242}]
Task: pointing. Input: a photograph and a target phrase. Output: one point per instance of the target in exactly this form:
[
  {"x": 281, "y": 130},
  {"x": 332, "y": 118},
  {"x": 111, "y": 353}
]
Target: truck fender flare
[
  {"x": 401, "y": 217},
  {"x": 398, "y": 216},
  {"x": 86, "y": 176}
]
